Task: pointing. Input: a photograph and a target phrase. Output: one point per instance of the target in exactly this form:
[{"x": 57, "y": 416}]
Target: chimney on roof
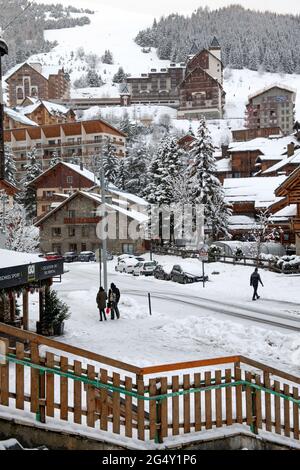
[
  {"x": 290, "y": 149},
  {"x": 81, "y": 165}
]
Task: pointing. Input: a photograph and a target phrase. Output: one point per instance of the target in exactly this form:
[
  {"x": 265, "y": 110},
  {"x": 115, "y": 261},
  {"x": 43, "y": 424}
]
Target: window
[
  {"x": 83, "y": 247},
  {"x": 70, "y": 179},
  {"x": 71, "y": 231},
  {"x": 20, "y": 94},
  {"x": 127, "y": 248},
  {"x": 73, "y": 247},
  {"x": 71, "y": 214},
  {"x": 97, "y": 138},
  {"x": 56, "y": 232},
  {"x": 34, "y": 91},
  {"x": 85, "y": 231}
]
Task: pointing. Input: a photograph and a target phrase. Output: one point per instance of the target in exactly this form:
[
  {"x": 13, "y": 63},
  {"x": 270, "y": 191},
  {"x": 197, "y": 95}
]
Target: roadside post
[
  {"x": 203, "y": 256},
  {"x": 149, "y": 302}
]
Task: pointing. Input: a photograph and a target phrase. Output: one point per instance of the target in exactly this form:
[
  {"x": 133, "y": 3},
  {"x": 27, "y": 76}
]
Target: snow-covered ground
[{"x": 187, "y": 322}]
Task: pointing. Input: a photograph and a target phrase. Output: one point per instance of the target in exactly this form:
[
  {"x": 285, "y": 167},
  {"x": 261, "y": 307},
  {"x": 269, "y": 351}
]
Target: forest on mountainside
[
  {"x": 250, "y": 39},
  {"x": 25, "y": 36}
]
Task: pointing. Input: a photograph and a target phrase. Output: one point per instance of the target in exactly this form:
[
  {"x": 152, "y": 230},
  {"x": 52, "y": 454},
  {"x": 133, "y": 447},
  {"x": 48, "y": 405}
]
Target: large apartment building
[
  {"x": 81, "y": 140},
  {"x": 37, "y": 81},
  {"x": 270, "y": 107},
  {"x": 194, "y": 87}
]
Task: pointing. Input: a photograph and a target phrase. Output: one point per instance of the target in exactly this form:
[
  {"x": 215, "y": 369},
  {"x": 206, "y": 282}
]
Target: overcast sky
[{"x": 156, "y": 8}]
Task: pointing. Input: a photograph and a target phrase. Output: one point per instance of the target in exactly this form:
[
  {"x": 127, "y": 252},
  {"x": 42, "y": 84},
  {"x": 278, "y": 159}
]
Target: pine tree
[
  {"x": 93, "y": 79},
  {"x": 28, "y": 197},
  {"x": 121, "y": 177},
  {"x": 107, "y": 58},
  {"x": 54, "y": 159},
  {"x": 135, "y": 170},
  {"x": 10, "y": 166},
  {"x": 21, "y": 236},
  {"x": 165, "y": 166},
  {"x": 207, "y": 189},
  {"x": 120, "y": 76},
  {"x": 110, "y": 163}
]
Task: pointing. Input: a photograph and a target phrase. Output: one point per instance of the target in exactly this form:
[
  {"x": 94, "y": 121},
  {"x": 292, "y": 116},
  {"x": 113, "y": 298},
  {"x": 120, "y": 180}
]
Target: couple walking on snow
[{"x": 111, "y": 302}]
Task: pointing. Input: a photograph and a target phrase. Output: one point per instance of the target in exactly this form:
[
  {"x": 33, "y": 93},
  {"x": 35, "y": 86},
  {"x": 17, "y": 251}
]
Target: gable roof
[
  {"x": 288, "y": 182},
  {"x": 52, "y": 108},
  {"x": 294, "y": 160},
  {"x": 215, "y": 43},
  {"x": 202, "y": 70},
  {"x": 138, "y": 216},
  {"x": 45, "y": 71},
  {"x": 267, "y": 146},
  {"x": 76, "y": 168},
  {"x": 19, "y": 117},
  {"x": 269, "y": 87},
  {"x": 6, "y": 184}
]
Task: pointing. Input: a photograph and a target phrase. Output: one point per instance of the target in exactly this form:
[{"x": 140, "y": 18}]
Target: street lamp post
[
  {"x": 103, "y": 213},
  {"x": 3, "y": 51}
]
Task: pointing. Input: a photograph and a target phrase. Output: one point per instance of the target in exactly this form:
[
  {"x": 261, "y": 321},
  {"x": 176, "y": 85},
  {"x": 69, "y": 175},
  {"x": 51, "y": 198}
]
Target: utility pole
[
  {"x": 3, "y": 51},
  {"x": 103, "y": 214}
]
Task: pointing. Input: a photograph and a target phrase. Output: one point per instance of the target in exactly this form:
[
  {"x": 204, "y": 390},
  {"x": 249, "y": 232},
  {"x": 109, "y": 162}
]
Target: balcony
[{"x": 81, "y": 220}]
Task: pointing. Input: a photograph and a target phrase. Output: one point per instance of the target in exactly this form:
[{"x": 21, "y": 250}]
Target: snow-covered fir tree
[
  {"x": 28, "y": 196},
  {"x": 120, "y": 76},
  {"x": 107, "y": 57},
  {"x": 122, "y": 177},
  {"x": 10, "y": 166},
  {"x": 135, "y": 170},
  {"x": 206, "y": 187},
  {"x": 21, "y": 235},
  {"x": 110, "y": 163},
  {"x": 165, "y": 166},
  {"x": 55, "y": 159}
]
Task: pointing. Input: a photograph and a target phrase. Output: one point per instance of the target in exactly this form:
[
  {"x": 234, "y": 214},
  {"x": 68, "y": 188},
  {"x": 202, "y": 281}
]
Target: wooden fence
[{"x": 148, "y": 403}]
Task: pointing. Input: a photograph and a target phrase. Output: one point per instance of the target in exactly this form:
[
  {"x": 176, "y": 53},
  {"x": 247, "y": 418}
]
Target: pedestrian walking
[
  {"x": 113, "y": 298},
  {"x": 101, "y": 303},
  {"x": 254, "y": 280}
]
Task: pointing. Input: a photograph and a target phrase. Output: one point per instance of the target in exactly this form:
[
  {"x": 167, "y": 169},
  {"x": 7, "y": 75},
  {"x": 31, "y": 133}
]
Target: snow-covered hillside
[{"x": 114, "y": 29}]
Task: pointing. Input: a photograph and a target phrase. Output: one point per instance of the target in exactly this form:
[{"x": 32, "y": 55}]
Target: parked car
[
  {"x": 52, "y": 256},
  {"x": 87, "y": 256},
  {"x": 126, "y": 265},
  {"x": 70, "y": 257},
  {"x": 179, "y": 275},
  {"x": 160, "y": 273},
  {"x": 144, "y": 268},
  {"x": 125, "y": 256},
  {"x": 130, "y": 264}
]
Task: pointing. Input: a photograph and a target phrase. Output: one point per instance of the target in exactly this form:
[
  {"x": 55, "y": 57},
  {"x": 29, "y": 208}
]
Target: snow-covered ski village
[{"x": 149, "y": 227}]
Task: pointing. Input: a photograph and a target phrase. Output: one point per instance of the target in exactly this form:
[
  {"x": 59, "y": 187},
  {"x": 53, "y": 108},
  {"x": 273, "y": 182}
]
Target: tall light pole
[
  {"x": 3, "y": 51},
  {"x": 103, "y": 214}
]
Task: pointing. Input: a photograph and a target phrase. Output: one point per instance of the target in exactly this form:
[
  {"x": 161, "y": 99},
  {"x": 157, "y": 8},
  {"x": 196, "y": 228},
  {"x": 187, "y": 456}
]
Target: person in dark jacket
[
  {"x": 254, "y": 280},
  {"x": 113, "y": 298},
  {"x": 101, "y": 302}
]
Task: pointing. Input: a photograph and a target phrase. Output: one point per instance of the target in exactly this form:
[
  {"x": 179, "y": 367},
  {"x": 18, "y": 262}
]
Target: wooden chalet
[{"x": 289, "y": 191}]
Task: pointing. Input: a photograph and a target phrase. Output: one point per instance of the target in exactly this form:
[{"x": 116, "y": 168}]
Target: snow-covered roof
[
  {"x": 83, "y": 172},
  {"x": 10, "y": 258},
  {"x": 260, "y": 190},
  {"x": 52, "y": 108},
  {"x": 241, "y": 220},
  {"x": 105, "y": 91},
  {"x": 131, "y": 197},
  {"x": 138, "y": 216},
  {"x": 223, "y": 165},
  {"x": 294, "y": 159},
  {"x": 269, "y": 87},
  {"x": 288, "y": 211},
  {"x": 19, "y": 117},
  {"x": 44, "y": 70},
  {"x": 265, "y": 145}
]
